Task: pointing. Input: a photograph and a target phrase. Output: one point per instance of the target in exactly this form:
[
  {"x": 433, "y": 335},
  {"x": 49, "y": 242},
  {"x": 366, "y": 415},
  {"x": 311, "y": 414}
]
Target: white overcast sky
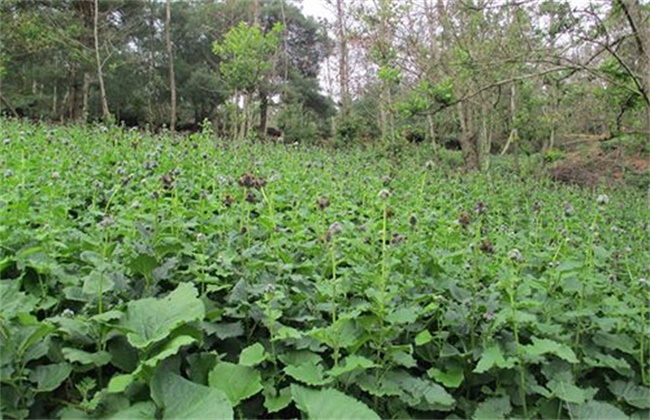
[{"x": 320, "y": 9}]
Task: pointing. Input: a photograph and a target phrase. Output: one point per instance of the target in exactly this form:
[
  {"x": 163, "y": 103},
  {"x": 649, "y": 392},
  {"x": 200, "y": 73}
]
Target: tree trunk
[
  {"x": 85, "y": 93},
  {"x": 172, "y": 74},
  {"x": 468, "y": 136},
  {"x": 264, "y": 114},
  {"x": 100, "y": 76},
  {"x": 432, "y": 131},
  {"x": 344, "y": 73}
]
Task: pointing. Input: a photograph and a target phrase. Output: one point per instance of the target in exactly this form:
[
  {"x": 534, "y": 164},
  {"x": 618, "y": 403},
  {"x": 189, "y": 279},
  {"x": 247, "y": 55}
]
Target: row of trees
[
  {"x": 485, "y": 75},
  {"x": 494, "y": 75},
  {"x": 174, "y": 63}
]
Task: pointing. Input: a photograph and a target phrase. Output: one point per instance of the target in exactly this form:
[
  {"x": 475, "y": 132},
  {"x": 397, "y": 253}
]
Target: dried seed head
[
  {"x": 246, "y": 180},
  {"x": 55, "y": 175},
  {"x": 106, "y": 222},
  {"x": 568, "y": 208},
  {"x": 602, "y": 199},
  {"x": 228, "y": 200},
  {"x": 397, "y": 238},
  {"x": 515, "y": 255},
  {"x": 67, "y": 313},
  {"x": 250, "y": 197},
  {"x": 464, "y": 219},
  {"x": 384, "y": 194},
  {"x": 334, "y": 229},
  {"x": 167, "y": 181},
  {"x": 487, "y": 247},
  {"x": 323, "y": 202}
]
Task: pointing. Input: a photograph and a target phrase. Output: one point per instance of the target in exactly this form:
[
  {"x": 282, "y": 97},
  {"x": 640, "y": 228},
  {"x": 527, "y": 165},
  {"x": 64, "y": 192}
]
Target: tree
[
  {"x": 247, "y": 53},
  {"x": 170, "y": 55}
]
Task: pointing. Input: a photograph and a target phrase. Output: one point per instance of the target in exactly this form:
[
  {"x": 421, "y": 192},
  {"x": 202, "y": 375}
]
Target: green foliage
[
  {"x": 553, "y": 155},
  {"x": 140, "y": 279},
  {"x": 246, "y": 52}
]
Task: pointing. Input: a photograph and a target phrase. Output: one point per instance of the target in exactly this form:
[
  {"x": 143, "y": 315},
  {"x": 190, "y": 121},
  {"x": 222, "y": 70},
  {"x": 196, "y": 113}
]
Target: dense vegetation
[
  {"x": 451, "y": 222},
  {"x": 191, "y": 277},
  {"x": 483, "y": 76}
]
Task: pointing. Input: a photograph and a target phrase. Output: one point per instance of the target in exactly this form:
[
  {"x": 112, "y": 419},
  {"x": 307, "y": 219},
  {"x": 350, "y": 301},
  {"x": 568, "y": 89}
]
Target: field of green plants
[{"x": 164, "y": 277}]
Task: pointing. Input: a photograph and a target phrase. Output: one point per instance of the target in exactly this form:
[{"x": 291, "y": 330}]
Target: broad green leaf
[
  {"x": 107, "y": 316},
  {"x": 493, "y": 408},
  {"x": 169, "y": 349},
  {"x": 635, "y": 395},
  {"x": 452, "y": 378},
  {"x": 415, "y": 389},
  {"x": 619, "y": 341},
  {"x": 309, "y": 373},
  {"x": 223, "y": 330},
  {"x": 143, "y": 264},
  {"x": 386, "y": 386},
  {"x": 275, "y": 401},
  {"x": 402, "y": 316},
  {"x": 569, "y": 266},
  {"x": 85, "y": 358},
  {"x": 73, "y": 414},
  {"x": 403, "y": 358},
  {"x": 423, "y": 338},
  {"x": 13, "y": 300},
  {"x": 34, "y": 337},
  {"x": 351, "y": 363},
  {"x": 329, "y": 404},
  {"x": 141, "y": 410},
  {"x": 567, "y": 391},
  {"x": 97, "y": 282},
  {"x": 151, "y": 320},
  {"x": 285, "y": 332},
  {"x": 299, "y": 357},
  {"x": 596, "y": 410},
  {"x": 236, "y": 381},
  {"x": 542, "y": 346},
  {"x": 438, "y": 396},
  {"x": 252, "y": 355},
  {"x": 49, "y": 377},
  {"x": 119, "y": 383},
  {"x": 182, "y": 399},
  {"x": 492, "y": 357}
]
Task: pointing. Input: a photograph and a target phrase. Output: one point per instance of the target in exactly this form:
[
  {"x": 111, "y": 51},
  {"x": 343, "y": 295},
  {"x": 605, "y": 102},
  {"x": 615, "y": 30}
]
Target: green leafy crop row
[{"x": 147, "y": 277}]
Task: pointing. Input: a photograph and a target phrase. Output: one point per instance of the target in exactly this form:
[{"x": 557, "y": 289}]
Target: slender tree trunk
[
  {"x": 100, "y": 76},
  {"x": 432, "y": 131},
  {"x": 344, "y": 73},
  {"x": 172, "y": 74},
  {"x": 468, "y": 136},
  {"x": 264, "y": 113},
  {"x": 152, "y": 68},
  {"x": 256, "y": 12},
  {"x": 85, "y": 90}
]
